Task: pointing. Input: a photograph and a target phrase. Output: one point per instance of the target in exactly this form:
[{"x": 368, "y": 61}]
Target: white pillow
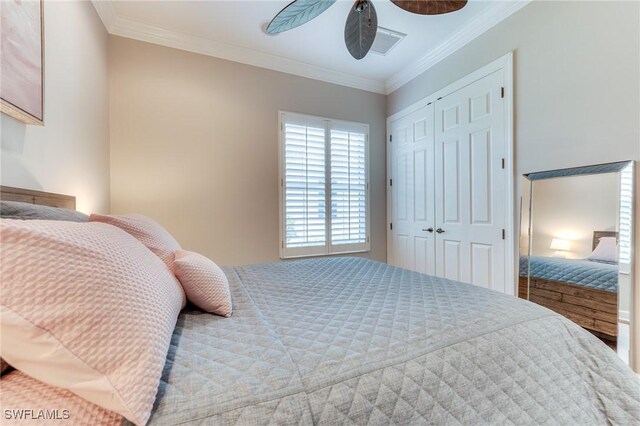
[{"x": 606, "y": 250}]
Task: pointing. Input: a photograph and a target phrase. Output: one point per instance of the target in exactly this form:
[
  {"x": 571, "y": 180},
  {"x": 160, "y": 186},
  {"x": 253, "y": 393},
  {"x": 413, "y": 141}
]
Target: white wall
[
  {"x": 571, "y": 208},
  {"x": 194, "y": 144},
  {"x": 70, "y": 153}
]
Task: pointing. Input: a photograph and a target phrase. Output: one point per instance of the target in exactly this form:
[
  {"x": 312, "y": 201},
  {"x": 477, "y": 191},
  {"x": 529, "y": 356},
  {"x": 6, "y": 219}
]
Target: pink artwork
[{"x": 21, "y": 60}]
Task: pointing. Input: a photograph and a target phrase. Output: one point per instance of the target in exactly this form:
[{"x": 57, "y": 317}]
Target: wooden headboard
[
  {"x": 599, "y": 234},
  {"x": 41, "y": 198}
]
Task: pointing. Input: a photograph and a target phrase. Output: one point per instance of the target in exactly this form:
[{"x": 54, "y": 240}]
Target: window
[
  {"x": 626, "y": 216},
  {"x": 324, "y": 186}
]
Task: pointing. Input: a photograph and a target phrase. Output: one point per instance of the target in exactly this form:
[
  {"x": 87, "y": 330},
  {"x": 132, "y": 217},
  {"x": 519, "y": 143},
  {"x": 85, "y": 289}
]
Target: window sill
[{"x": 339, "y": 253}]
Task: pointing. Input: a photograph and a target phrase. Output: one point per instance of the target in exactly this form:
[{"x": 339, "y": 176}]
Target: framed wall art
[{"x": 22, "y": 60}]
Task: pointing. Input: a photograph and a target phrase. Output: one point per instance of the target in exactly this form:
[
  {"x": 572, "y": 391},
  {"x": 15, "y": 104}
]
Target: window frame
[
  {"x": 328, "y": 249},
  {"x": 626, "y": 226}
]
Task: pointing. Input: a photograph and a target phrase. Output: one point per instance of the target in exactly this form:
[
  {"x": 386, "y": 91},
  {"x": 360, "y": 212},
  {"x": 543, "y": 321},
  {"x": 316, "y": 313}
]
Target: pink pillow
[
  {"x": 204, "y": 282},
  {"x": 147, "y": 231},
  {"x": 19, "y": 392},
  {"x": 86, "y": 307}
]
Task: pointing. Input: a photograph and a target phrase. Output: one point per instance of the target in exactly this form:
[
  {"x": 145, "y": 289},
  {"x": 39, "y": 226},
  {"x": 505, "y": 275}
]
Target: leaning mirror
[{"x": 575, "y": 247}]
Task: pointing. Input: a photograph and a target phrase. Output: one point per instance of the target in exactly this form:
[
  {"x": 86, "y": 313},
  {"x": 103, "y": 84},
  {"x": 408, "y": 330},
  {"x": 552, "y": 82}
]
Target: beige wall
[
  {"x": 70, "y": 153},
  {"x": 572, "y": 208},
  {"x": 194, "y": 144},
  {"x": 577, "y": 91}
]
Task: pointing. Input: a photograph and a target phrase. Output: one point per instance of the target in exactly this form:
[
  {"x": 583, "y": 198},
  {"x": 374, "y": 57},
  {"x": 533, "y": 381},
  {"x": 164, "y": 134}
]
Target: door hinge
[
  {"x": 391, "y": 226},
  {"x": 390, "y": 138},
  {"x": 502, "y": 92},
  {"x": 429, "y": 103},
  {"x": 503, "y": 234},
  {"x": 439, "y": 98},
  {"x": 503, "y": 163},
  {"x": 390, "y": 182}
]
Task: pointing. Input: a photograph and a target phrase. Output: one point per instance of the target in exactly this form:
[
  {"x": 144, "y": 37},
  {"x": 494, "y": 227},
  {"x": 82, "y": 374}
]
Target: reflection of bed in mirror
[
  {"x": 583, "y": 290},
  {"x": 576, "y": 240}
]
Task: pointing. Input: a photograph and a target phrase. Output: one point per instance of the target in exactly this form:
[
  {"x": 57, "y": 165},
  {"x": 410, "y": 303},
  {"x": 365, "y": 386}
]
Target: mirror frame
[{"x": 616, "y": 167}]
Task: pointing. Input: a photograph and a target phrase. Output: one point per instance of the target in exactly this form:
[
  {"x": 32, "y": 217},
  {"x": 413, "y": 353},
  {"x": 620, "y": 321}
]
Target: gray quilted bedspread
[
  {"x": 585, "y": 273},
  {"x": 353, "y": 341}
]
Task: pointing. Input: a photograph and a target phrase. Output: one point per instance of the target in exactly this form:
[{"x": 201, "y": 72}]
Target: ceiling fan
[{"x": 362, "y": 21}]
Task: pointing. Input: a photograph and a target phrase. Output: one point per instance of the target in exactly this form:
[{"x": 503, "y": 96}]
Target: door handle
[
  {"x": 430, "y": 230},
  {"x": 439, "y": 230}
]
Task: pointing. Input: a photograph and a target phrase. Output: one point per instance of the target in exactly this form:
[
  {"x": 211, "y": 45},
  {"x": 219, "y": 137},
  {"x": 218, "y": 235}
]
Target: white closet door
[
  {"x": 471, "y": 184},
  {"x": 412, "y": 191}
]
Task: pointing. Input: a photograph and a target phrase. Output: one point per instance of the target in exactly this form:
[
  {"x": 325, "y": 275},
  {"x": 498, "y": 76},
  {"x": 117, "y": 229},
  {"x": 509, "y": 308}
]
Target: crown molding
[
  {"x": 152, "y": 34},
  {"x": 137, "y": 30},
  {"x": 106, "y": 12},
  {"x": 124, "y": 27},
  {"x": 493, "y": 15}
]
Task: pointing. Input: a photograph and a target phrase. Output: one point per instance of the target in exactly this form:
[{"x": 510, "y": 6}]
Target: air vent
[{"x": 386, "y": 40}]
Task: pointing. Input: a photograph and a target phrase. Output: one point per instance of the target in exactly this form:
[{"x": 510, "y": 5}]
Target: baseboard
[{"x": 623, "y": 316}]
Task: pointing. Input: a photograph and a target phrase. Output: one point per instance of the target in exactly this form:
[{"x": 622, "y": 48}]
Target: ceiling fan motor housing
[{"x": 362, "y": 6}]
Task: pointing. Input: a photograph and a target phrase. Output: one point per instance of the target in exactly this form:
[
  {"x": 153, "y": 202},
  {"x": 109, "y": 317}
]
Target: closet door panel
[
  {"x": 420, "y": 169},
  {"x": 488, "y": 182},
  {"x": 450, "y": 255},
  {"x": 403, "y": 184},
  {"x": 451, "y": 197},
  {"x": 403, "y": 254},
  {"x": 471, "y": 184},
  {"x": 412, "y": 191},
  {"x": 402, "y": 207},
  {"x": 482, "y": 264},
  {"x": 480, "y": 173},
  {"x": 422, "y": 252}
]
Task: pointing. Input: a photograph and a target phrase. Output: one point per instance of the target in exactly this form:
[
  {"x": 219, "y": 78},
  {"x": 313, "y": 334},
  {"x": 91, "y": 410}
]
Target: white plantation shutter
[
  {"x": 626, "y": 214},
  {"x": 348, "y": 187},
  {"x": 324, "y": 187},
  {"x": 304, "y": 183}
]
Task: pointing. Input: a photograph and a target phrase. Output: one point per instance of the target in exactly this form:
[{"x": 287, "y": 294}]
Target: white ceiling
[{"x": 234, "y": 30}]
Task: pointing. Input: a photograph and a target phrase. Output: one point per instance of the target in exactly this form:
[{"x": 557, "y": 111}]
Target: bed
[
  {"x": 354, "y": 341},
  {"x": 584, "y": 291}
]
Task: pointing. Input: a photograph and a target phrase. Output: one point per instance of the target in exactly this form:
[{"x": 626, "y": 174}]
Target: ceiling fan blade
[
  {"x": 297, "y": 13},
  {"x": 360, "y": 29},
  {"x": 430, "y": 7}
]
